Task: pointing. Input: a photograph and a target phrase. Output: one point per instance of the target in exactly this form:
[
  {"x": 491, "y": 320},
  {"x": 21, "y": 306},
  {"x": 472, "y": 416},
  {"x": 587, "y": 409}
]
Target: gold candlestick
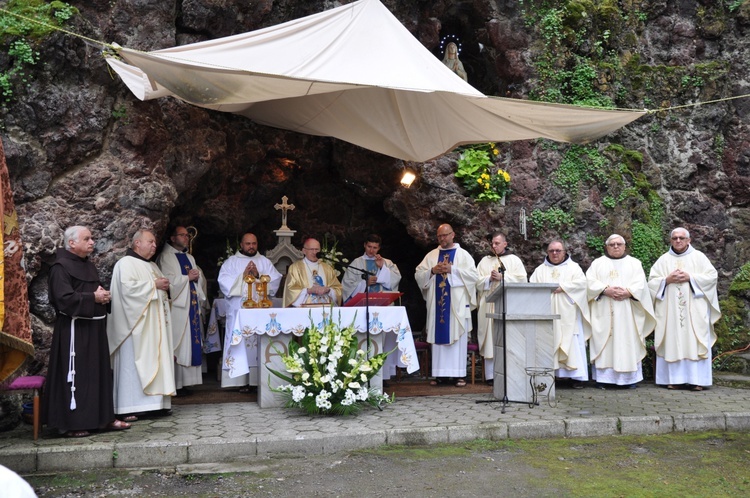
[
  {"x": 262, "y": 288},
  {"x": 249, "y": 302}
]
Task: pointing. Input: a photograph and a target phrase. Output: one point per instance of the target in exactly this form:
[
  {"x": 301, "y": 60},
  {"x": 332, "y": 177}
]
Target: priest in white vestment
[
  {"x": 683, "y": 284},
  {"x": 384, "y": 277},
  {"x": 447, "y": 278},
  {"x": 573, "y": 328},
  {"x": 622, "y": 315},
  {"x": 189, "y": 308},
  {"x": 311, "y": 281},
  {"x": 246, "y": 261},
  {"x": 140, "y": 333},
  {"x": 493, "y": 269}
]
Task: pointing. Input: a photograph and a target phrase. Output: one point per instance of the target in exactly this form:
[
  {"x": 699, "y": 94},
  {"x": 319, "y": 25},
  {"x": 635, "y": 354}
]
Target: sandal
[
  {"x": 77, "y": 434},
  {"x": 671, "y": 387},
  {"x": 460, "y": 383},
  {"x": 128, "y": 418},
  {"x": 117, "y": 425},
  {"x": 434, "y": 382},
  {"x": 696, "y": 388}
]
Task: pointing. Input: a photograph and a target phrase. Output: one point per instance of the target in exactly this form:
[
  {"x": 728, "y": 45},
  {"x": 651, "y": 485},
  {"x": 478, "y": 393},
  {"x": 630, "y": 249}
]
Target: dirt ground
[{"x": 695, "y": 464}]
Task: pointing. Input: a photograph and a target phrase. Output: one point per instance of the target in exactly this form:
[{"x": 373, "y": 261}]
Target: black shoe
[
  {"x": 578, "y": 384},
  {"x": 181, "y": 393},
  {"x": 601, "y": 386}
]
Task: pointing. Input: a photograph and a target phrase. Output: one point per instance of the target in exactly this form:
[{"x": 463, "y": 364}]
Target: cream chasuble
[
  {"x": 140, "y": 314},
  {"x": 515, "y": 271},
  {"x": 573, "y": 328},
  {"x": 685, "y": 312},
  {"x": 619, "y": 328}
]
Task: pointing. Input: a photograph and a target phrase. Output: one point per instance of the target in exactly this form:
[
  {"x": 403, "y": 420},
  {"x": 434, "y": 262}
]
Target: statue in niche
[{"x": 453, "y": 62}]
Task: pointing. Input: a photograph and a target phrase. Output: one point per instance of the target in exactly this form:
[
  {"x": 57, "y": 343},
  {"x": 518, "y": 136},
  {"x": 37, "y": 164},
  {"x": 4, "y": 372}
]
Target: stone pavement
[{"x": 230, "y": 432}]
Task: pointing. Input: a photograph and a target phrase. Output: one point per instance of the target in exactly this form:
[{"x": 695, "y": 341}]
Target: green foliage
[
  {"x": 480, "y": 177},
  {"x": 595, "y": 243},
  {"x": 741, "y": 282},
  {"x": 647, "y": 243},
  {"x": 53, "y": 14},
  {"x": 732, "y": 332},
  {"x": 17, "y": 36},
  {"x": 581, "y": 163},
  {"x": 733, "y": 5},
  {"x": 553, "y": 219}
]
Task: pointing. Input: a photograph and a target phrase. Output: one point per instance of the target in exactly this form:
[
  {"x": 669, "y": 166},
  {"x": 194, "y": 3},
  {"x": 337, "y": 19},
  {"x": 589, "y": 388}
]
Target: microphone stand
[
  {"x": 505, "y": 400},
  {"x": 365, "y": 276}
]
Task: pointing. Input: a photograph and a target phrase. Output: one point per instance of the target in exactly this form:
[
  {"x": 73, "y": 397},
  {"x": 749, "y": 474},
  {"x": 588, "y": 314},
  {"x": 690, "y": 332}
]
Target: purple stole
[
  {"x": 195, "y": 315},
  {"x": 443, "y": 301}
]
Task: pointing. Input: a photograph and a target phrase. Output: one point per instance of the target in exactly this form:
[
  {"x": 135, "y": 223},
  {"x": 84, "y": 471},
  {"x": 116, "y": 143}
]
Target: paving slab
[{"x": 232, "y": 432}]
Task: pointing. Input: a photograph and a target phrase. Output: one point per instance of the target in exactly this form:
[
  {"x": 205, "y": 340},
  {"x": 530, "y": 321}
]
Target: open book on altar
[{"x": 375, "y": 299}]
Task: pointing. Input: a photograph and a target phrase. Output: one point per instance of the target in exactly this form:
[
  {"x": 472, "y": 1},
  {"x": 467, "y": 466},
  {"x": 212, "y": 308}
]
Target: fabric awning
[{"x": 357, "y": 74}]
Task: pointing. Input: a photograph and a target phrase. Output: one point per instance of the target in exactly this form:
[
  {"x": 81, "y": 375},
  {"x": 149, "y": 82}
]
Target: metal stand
[
  {"x": 365, "y": 276},
  {"x": 537, "y": 388},
  {"x": 505, "y": 401}
]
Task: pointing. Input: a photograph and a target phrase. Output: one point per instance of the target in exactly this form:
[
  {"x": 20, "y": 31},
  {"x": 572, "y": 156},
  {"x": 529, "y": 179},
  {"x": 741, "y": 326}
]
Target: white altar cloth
[
  {"x": 249, "y": 323},
  {"x": 212, "y": 341}
]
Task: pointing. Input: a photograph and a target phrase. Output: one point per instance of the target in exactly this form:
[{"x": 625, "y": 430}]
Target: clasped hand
[
  {"x": 678, "y": 277},
  {"x": 441, "y": 268},
  {"x": 162, "y": 283},
  {"x": 617, "y": 293},
  {"x": 318, "y": 290},
  {"x": 102, "y": 295}
]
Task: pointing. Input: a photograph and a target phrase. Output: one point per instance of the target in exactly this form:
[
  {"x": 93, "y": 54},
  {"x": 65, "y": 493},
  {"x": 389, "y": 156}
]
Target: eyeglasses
[
  {"x": 679, "y": 238},
  {"x": 316, "y": 249},
  {"x": 443, "y": 235},
  {"x": 555, "y": 250},
  {"x": 616, "y": 244}
]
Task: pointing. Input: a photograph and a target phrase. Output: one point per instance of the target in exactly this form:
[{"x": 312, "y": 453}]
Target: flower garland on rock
[{"x": 328, "y": 373}]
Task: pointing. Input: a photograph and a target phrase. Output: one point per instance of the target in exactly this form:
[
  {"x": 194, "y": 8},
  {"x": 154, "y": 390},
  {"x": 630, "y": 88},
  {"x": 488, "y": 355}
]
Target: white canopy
[{"x": 354, "y": 73}]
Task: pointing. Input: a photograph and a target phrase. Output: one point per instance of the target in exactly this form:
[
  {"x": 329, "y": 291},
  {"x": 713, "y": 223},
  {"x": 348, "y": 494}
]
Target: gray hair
[
  {"x": 137, "y": 236},
  {"x": 71, "y": 233},
  {"x": 613, "y": 237},
  {"x": 687, "y": 234},
  {"x": 558, "y": 241}
]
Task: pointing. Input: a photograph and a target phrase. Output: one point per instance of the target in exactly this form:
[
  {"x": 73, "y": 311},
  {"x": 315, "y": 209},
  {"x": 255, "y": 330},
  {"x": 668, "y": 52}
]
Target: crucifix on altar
[
  {"x": 284, "y": 253},
  {"x": 284, "y": 208}
]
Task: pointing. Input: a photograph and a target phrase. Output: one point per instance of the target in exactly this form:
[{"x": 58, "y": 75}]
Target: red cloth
[{"x": 15, "y": 338}]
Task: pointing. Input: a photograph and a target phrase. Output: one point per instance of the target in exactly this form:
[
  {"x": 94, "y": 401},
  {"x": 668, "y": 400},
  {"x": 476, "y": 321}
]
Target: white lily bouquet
[{"x": 328, "y": 373}]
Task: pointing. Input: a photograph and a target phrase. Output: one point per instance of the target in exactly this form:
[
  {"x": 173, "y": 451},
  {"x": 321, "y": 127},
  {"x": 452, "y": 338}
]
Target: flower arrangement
[
  {"x": 480, "y": 176},
  {"x": 327, "y": 373},
  {"x": 228, "y": 252},
  {"x": 332, "y": 254}
]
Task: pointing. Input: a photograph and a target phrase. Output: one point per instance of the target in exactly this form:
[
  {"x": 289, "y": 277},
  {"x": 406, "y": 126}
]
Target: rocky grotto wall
[{"x": 82, "y": 150}]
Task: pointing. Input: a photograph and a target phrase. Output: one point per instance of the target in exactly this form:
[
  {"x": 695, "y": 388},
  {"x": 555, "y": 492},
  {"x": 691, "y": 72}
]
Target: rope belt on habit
[{"x": 72, "y": 355}]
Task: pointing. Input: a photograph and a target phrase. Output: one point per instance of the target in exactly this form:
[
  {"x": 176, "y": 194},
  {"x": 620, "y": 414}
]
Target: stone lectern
[{"x": 529, "y": 336}]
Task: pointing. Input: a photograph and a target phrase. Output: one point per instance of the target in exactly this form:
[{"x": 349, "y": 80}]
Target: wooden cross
[{"x": 284, "y": 208}]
